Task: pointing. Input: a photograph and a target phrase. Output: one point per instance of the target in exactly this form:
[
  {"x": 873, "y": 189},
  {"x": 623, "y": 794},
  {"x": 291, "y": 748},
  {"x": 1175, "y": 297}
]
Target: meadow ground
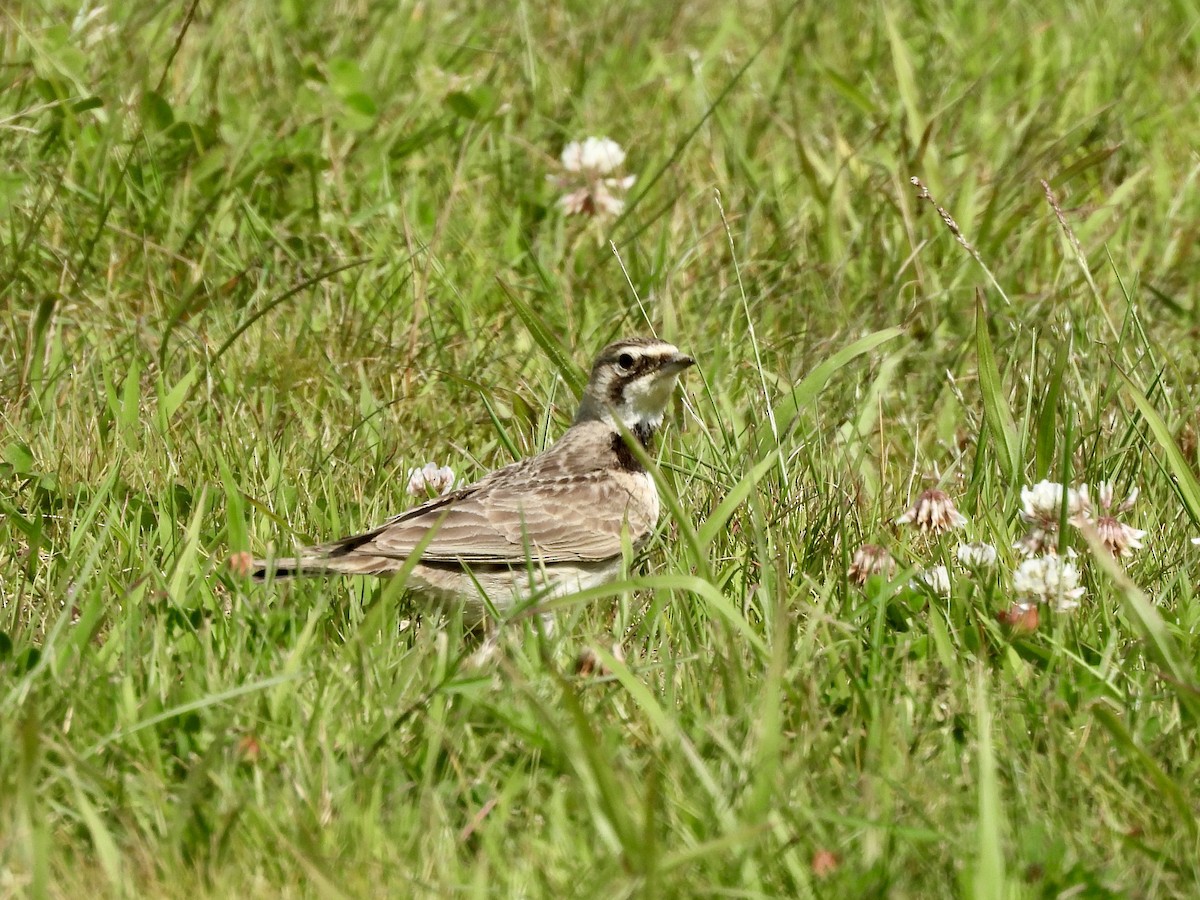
[{"x": 261, "y": 259}]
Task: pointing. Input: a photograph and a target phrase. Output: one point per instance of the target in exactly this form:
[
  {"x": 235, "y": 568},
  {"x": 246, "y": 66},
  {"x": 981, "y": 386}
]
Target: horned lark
[{"x": 542, "y": 527}]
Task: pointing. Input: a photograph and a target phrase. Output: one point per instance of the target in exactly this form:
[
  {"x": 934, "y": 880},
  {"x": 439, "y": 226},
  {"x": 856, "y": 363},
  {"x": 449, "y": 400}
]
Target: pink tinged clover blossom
[
  {"x": 934, "y": 511},
  {"x": 868, "y": 560},
  {"x": 430, "y": 480},
  {"x": 588, "y": 177},
  {"x": 1118, "y": 538}
]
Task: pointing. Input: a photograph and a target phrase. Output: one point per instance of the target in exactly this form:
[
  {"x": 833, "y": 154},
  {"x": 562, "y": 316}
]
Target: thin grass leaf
[
  {"x": 598, "y": 769},
  {"x": 668, "y": 727},
  {"x": 716, "y": 847},
  {"x": 1140, "y": 759},
  {"x": 543, "y": 336},
  {"x": 184, "y": 708},
  {"x": 300, "y": 286},
  {"x": 1158, "y": 640},
  {"x": 107, "y": 853},
  {"x": 667, "y": 496},
  {"x": 989, "y": 872},
  {"x": 769, "y": 725},
  {"x": 996, "y": 411},
  {"x": 184, "y": 568},
  {"x": 1184, "y": 481},
  {"x": 173, "y": 399},
  {"x": 789, "y": 410},
  {"x": 715, "y": 524},
  {"x": 906, "y": 80},
  {"x": 1047, "y": 417},
  {"x": 687, "y": 584}
]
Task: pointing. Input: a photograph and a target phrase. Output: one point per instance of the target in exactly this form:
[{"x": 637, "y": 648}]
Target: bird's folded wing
[{"x": 570, "y": 519}]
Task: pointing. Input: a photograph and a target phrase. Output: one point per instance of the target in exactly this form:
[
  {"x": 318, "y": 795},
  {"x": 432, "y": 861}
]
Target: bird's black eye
[{"x": 625, "y": 361}]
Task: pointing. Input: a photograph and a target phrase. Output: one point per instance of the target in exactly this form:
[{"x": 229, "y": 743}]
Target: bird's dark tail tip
[
  {"x": 261, "y": 569},
  {"x": 261, "y": 574}
]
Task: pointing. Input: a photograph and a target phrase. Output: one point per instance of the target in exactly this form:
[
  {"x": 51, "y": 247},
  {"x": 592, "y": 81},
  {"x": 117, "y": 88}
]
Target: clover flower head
[
  {"x": 593, "y": 155},
  {"x": 977, "y": 556},
  {"x": 934, "y": 511},
  {"x": 1048, "y": 579},
  {"x": 1119, "y": 538},
  {"x": 868, "y": 560},
  {"x": 937, "y": 580},
  {"x": 1041, "y": 505},
  {"x": 430, "y": 480},
  {"x": 1037, "y": 542},
  {"x": 593, "y": 188}
]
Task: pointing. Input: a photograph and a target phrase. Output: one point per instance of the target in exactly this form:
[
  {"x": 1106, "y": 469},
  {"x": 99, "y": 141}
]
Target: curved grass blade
[
  {"x": 788, "y": 411},
  {"x": 1184, "y": 481},
  {"x": 690, "y": 584},
  {"x": 720, "y": 517},
  {"x": 1158, "y": 640},
  {"x": 544, "y": 337},
  {"x": 996, "y": 412}
]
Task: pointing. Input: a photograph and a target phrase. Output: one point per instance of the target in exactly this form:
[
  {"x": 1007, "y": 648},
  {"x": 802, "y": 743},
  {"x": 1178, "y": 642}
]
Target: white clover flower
[
  {"x": 592, "y": 188},
  {"x": 934, "y": 511},
  {"x": 1048, "y": 579},
  {"x": 937, "y": 580},
  {"x": 1105, "y": 490},
  {"x": 1037, "y": 542},
  {"x": 430, "y": 480},
  {"x": 1041, "y": 505},
  {"x": 1118, "y": 538},
  {"x": 593, "y": 155},
  {"x": 870, "y": 559},
  {"x": 977, "y": 556}
]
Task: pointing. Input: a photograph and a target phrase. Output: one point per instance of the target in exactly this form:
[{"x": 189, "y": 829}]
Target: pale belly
[{"x": 506, "y": 589}]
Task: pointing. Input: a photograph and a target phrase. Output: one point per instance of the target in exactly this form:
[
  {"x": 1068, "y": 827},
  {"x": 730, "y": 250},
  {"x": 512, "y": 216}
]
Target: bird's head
[{"x": 631, "y": 382}]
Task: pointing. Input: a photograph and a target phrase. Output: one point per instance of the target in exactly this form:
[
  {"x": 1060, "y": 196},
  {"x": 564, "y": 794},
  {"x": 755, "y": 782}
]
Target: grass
[{"x": 261, "y": 259}]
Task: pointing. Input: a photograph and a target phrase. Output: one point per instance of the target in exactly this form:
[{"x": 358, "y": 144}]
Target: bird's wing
[{"x": 568, "y": 518}]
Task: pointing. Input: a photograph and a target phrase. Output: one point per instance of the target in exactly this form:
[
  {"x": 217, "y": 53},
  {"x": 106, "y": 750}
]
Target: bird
[{"x": 540, "y": 528}]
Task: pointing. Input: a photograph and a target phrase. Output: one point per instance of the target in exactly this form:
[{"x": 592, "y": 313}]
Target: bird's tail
[{"x": 320, "y": 561}]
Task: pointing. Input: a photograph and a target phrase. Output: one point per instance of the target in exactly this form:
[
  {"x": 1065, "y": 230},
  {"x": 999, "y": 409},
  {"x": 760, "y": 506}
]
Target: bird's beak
[{"x": 678, "y": 363}]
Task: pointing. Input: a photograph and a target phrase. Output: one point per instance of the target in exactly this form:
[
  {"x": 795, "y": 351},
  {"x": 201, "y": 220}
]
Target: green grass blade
[
  {"x": 1184, "y": 478},
  {"x": 996, "y": 411},
  {"x": 906, "y": 79},
  {"x": 989, "y": 872},
  {"x": 1047, "y": 416},
  {"x": 543, "y": 335},
  {"x": 1158, "y": 640},
  {"x": 1139, "y": 758},
  {"x": 175, "y": 712},
  {"x": 184, "y": 568},
  {"x": 729, "y": 504},
  {"x": 687, "y": 584},
  {"x": 789, "y": 410}
]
